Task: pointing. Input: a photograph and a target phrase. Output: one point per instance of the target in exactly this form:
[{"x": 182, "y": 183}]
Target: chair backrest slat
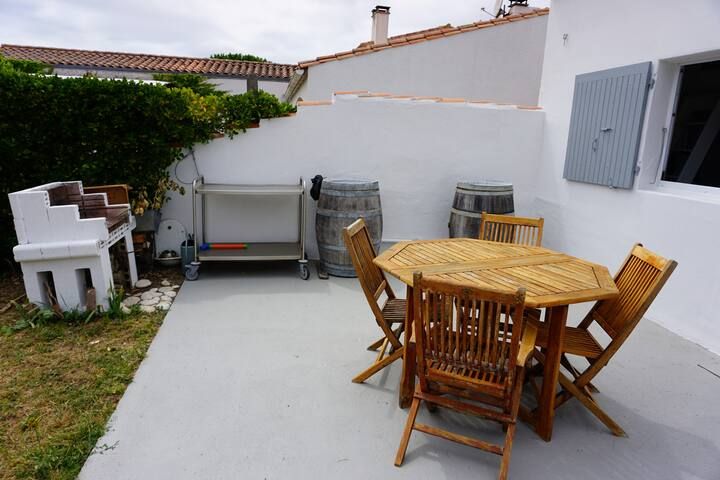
[
  {"x": 468, "y": 327},
  {"x": 506, "y": 229},
  {"x": 371, "y": 277},
  {"x": 639, "y": 280}
]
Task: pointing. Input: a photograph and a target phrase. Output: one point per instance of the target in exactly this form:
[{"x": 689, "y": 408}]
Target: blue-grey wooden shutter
[{"x": 605, "y": 125}]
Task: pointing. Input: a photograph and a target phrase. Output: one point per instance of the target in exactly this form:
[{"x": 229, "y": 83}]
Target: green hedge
[{"x": 106, "y": 132}]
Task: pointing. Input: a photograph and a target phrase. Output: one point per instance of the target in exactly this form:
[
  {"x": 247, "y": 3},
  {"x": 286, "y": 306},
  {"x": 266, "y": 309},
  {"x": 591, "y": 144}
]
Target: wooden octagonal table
[{"x": 552, "y": 281}]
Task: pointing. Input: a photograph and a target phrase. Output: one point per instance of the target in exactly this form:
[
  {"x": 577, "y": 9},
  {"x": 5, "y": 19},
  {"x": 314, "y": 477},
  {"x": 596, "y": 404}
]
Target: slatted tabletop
[{"x": 550, "y": 278}]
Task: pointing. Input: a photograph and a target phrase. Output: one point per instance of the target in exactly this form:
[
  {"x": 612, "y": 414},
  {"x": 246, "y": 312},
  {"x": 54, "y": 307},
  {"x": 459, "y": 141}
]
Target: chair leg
[
  {"x": 507, "y": 449},
  {"x": 381, "y": 352},
  {"x": 376, "y": 344},
  {"x": 591, "y": 405},
  {"x": 377, "y": 366},
  {"x": 405, "y": 439},
  {"x": 573, "y": 371}
]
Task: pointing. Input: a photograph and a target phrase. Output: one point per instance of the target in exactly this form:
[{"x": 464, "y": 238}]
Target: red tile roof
[
  {"x": 421, "y": 36},
  {"x": 65, "y": 57}
]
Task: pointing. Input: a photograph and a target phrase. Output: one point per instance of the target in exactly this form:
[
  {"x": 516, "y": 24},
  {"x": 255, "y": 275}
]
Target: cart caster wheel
[
  {"x": 304, "y": 271},
  {"x": 192, "y": 272}
]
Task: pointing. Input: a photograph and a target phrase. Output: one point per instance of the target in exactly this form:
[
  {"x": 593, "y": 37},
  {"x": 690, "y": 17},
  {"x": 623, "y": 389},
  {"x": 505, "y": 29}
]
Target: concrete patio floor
[{"x": 249, "y": 378}]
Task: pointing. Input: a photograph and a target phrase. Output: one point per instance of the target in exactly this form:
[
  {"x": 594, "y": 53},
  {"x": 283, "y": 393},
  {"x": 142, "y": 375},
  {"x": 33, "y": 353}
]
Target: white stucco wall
[
  {"x": 239, "y": 85},
  {"x": 228, "y": 84},
  {"x": 599, "y": 223},
  {"x": 417, "y": 150},
  {"x": 277, "y": 88},
  {"x": 501, "y": 63}
]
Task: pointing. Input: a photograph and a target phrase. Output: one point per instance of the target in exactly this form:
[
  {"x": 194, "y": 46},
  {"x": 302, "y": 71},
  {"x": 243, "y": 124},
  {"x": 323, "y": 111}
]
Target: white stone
[
  {"x": 147, "y": 309},
  {"x": 165, "y": 283},
  {"x": 165, "y": 289},
  {"x": 125, "y": 309},
  {"x": 143, "y": 283},
  {"x": 150, "y": 301},
  {"x": 163, "y": 306},
  {"x": 176, "y": 286},
  {"x": 154, "y": 289},
  {"x": 165, "y": 298},
  {"x": 170, "y": 294},
  {"x": 149, "y": 295},
  {"x": 130, "y": 301}
]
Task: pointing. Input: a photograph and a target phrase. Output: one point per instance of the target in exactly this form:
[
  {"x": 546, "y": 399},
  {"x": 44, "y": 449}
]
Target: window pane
[{"x": 694, "y": 155}]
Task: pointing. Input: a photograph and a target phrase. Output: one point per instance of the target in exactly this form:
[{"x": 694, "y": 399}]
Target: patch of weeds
[
  {"x": 115, "y": 309},
  {"x": 29, "y": 317}
]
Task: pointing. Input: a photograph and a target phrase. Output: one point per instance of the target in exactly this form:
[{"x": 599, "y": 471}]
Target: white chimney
[{"x": 380, "y": 17}]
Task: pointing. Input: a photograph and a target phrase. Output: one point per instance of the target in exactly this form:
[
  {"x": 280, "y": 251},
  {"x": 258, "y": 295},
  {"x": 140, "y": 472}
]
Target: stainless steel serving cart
[{"x": 264, "y": 251}]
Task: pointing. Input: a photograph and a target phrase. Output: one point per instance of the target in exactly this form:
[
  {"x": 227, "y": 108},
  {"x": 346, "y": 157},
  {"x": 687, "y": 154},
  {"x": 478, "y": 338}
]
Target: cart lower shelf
[{"x": 254, "y": 252}]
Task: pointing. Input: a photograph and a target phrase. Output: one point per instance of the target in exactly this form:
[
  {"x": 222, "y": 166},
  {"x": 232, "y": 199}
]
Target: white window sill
[{"x": 684, "y": 190}]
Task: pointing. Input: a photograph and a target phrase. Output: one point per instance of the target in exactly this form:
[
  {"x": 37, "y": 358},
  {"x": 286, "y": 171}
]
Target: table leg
[
  {"x": 556, "y": 318},
  {"x": 407, "y": 382}
]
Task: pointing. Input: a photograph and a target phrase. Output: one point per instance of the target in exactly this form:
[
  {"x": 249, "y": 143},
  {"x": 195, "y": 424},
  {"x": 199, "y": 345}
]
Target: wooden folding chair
[
  {"x": 639, "y": 280},
  {"x": 507, "y": 229},
  {"x": 466, "y": 349},
  {"x": 390, "y": 317}
]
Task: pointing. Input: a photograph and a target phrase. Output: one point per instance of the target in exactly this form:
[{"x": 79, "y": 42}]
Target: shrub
[
  {"x": 196, "y": 83},
  {"x": 107, "y": 131}
]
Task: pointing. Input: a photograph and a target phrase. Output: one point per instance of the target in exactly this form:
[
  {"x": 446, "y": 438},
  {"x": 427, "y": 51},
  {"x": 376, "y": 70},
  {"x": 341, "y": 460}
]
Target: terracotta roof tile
[
  {"x": 65, "y": 57},
  {"x": 421, "y": 36}
]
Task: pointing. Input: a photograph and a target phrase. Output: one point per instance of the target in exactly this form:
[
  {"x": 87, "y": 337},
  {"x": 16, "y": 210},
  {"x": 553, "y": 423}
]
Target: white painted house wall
[
  {"x": 418, "y": 150},
  {"x": 501, "y": 63},
  {"x": 599, "y": 223}
]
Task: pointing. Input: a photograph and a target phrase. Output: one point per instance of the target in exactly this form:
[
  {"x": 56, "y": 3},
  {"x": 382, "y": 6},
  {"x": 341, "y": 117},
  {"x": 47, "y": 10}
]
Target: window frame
[{"x": 668, "y": 186}]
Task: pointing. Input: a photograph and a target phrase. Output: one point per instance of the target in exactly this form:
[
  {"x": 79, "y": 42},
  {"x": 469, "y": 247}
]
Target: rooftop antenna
[{"x": 497, "y": 9}]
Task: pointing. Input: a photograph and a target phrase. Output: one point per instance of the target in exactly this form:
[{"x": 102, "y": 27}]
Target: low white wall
[
  {"x": 418, "y": 150},
  {"x": 239, "y": 85},
  {"x": 599, "y": 223},
  {"x": 229, "y": 84},
  {"x": 501, "y": 63},
  {"x": 277, "y": 88}
]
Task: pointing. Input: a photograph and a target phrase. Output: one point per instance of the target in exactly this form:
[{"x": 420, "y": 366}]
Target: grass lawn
[{"x": 59, "y": 384}]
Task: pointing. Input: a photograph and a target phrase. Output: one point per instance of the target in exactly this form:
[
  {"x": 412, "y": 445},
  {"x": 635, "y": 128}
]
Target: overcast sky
[{"x": 285, "y": 31}]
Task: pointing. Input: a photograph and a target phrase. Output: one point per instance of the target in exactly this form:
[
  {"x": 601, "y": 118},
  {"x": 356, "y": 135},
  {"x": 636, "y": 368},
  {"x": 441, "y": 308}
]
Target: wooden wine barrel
[
  {"x": 342, "y": 202},
  {"x": 473, "y": 198}
]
